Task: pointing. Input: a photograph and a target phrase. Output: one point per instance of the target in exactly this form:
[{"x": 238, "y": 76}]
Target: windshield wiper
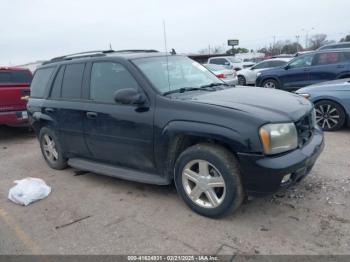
[
  {"x": 214, "y": 84},
  {"x": 186, "y": 89},
  {"x": 208, "y": 87}
]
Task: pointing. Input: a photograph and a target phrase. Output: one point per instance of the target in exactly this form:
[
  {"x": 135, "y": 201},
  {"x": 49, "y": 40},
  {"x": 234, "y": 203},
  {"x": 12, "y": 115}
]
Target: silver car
[
  {"x": 229, "y": 76},
  {"x": 248, "y": 76}
]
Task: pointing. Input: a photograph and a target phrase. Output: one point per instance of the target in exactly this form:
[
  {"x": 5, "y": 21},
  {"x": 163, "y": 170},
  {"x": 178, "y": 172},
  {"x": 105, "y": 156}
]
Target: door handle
[
  {"x": 91, "y": 115},
  {"x": 340, "y": 66},
  {"x": 49, "y": 110},
  {"x": 306, "y": 70}
]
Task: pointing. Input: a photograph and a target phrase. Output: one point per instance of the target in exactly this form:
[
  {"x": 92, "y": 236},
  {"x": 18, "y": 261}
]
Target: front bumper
[
  {"x": 14, "y": 117},
  {"x": 263, "y": 175}
]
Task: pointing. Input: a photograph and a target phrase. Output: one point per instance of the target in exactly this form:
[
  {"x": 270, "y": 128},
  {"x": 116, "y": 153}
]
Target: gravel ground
[{"x": 91, "y": 214}]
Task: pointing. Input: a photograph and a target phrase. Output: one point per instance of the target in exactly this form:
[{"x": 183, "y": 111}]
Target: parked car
[
  {"x": 248, "y": 76},
  {"x": 14, "y": 84},
  {"x": 307, "y": 69},
  {"x": 230, "y": 62},
  {"x": 335, "y": 46},
  {"x": 155, "y": 118},
  {"x": 229, "y": 76},
  {"x": 332, "y": 103}
]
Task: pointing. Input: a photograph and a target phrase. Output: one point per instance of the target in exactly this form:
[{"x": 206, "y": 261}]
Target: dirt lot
[{"x": 91, "y": 214}]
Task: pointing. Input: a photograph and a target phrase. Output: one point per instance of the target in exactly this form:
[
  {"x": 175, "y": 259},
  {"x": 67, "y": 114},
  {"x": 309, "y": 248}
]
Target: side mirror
[
  {"x": 286, "y": 67},
  {"x": 129, "y": 96}
]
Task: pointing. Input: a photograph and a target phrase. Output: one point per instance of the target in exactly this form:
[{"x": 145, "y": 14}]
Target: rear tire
[
  {"x": 242, "y": 81},
  {"x": 271, "y": 83},
  {"x": 51, "y": 149},
  {"x": 207, "y": 178},
  {"x": 330, "y": 116}
]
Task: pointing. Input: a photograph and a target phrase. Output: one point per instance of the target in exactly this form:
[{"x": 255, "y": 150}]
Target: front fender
[{"x": 170, "y": 139}]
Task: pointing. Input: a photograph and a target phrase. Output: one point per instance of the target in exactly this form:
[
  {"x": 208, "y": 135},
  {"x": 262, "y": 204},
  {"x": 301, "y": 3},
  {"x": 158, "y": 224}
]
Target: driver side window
[
  {"x": 107, "y": 78},
  {"x": 303, "y": 61}
]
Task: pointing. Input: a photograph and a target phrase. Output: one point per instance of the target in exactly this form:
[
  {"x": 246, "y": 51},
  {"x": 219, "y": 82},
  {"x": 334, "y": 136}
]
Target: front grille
[{"x": 305, "y": 128}]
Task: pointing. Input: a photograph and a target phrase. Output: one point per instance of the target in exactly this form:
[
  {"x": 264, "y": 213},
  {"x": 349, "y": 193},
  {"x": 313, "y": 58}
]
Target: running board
[{"x": 119, "y": 172}]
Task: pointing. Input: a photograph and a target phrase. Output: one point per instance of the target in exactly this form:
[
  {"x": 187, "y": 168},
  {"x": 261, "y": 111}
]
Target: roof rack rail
[
  {"x": 79, "y": 55},
  {"x": 96, "y": 53},
  {"x": 137, "y": 51}
]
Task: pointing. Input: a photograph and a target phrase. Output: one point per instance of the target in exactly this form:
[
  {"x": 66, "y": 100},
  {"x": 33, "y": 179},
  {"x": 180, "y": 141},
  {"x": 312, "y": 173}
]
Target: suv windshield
[{"x": 175, "y": 73}]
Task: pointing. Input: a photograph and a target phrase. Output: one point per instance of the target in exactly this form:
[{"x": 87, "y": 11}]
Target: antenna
[{"x": 166, "y": 53}]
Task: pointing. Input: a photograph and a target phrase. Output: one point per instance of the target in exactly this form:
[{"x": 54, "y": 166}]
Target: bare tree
[{"x": 318, "y": 40}]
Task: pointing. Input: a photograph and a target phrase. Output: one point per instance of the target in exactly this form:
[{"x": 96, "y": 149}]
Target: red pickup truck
[{"x": 14, "y": 87}]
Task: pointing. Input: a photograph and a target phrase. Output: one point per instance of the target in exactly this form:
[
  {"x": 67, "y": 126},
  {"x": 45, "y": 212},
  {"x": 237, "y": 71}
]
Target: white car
[
  {"x": 230, "y": 62},
  {"x": 229, "y": 76},
  {"x": 248, "y": 76}
]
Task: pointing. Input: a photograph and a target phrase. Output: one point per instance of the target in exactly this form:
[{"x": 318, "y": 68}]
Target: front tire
[
  {"x": 330, "y": 116},
  {"x": 242, "y": 81},
  {"x": 271, "y": 83},
  {"x": 51, "y": 149},
  {"x": 208, "y": 179}
]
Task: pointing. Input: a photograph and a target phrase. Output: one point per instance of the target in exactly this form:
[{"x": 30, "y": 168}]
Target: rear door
[
  {"x": 117, "y": 133},
  {"x": 327, "y": 66},
  {"x": 66, "y": 104},
  {"x": 14, "y": 84}
]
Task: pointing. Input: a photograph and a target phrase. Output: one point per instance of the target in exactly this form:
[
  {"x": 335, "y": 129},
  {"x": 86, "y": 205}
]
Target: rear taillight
[{"x": 220, "y": 75}]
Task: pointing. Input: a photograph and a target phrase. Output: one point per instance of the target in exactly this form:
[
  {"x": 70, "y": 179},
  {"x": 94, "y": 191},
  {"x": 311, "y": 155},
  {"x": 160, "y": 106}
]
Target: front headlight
[
  {"x": 307, "y": 96},
  {"x": 278, "y": 138}
]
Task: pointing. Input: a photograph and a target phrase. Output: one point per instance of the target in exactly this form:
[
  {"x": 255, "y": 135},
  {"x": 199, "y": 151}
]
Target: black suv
[{"x": 157, "y": 118}]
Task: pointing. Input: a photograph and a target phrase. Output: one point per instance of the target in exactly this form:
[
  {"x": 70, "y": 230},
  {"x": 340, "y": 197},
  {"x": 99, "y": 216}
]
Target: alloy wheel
[
  {"x": 49, "y": 148},
  {"x": 203, "y": 184},
  {"x": 327, "y": 116},
  {"x": 269, "y": 84}
]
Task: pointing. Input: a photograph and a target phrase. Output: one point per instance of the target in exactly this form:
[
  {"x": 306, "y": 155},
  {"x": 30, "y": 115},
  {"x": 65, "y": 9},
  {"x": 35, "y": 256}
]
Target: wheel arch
[{"x": 180, "y": 135}]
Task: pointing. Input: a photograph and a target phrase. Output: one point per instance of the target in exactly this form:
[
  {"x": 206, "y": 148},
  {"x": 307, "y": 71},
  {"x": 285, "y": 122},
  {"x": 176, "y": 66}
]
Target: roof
[{"x": 127, "y": 54}]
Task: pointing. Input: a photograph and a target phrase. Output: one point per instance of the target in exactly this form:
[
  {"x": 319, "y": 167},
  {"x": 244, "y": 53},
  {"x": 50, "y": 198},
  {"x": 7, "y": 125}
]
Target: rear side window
[
  {"x": 107, "y": 78},
  {"x": 40, "y": 81},
  {"x": 57, "y": 84},
  {"x": 72, "y": 81},
  {"x": 327, "y": 58},
  {"x": 15, "y": 77}
]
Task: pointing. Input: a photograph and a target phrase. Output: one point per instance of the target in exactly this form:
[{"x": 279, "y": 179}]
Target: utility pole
[{"x": 297, "y": 37}]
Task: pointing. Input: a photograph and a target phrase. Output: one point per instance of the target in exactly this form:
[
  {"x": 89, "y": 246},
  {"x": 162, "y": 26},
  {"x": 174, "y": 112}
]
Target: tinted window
[
  {"x": 57, "y": 84},
  {"x": 262, "y": 65},
  {"x": 5, "y": 77},
  {"x": 107, "y": 78},
  {"x": 277, "y": 63},
  {"x": 15, "y": 76},
  {"x": 302, "y": 61},
  {"x": 40, "y": 81},
  {"x": 218, "y": 61},
  {"x": 72, "y": 81},
  {"x": 327, "y": 58}
]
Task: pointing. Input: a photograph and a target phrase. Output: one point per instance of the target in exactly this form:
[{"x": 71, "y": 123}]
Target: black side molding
[{"x": 119, "y": 172}]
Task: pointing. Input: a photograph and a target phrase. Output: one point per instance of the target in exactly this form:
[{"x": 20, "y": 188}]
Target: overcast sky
[{"x": 40, "y": 29}]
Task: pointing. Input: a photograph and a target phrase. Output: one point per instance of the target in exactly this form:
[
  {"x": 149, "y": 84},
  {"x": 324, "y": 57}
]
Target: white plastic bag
[{"x": 28, "y": 190}]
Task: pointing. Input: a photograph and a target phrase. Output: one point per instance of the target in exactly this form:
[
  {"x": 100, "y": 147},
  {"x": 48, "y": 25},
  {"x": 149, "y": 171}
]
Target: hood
[
  {"x": 335, "y": 85},
  {"x": 267, "y": 104}
]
